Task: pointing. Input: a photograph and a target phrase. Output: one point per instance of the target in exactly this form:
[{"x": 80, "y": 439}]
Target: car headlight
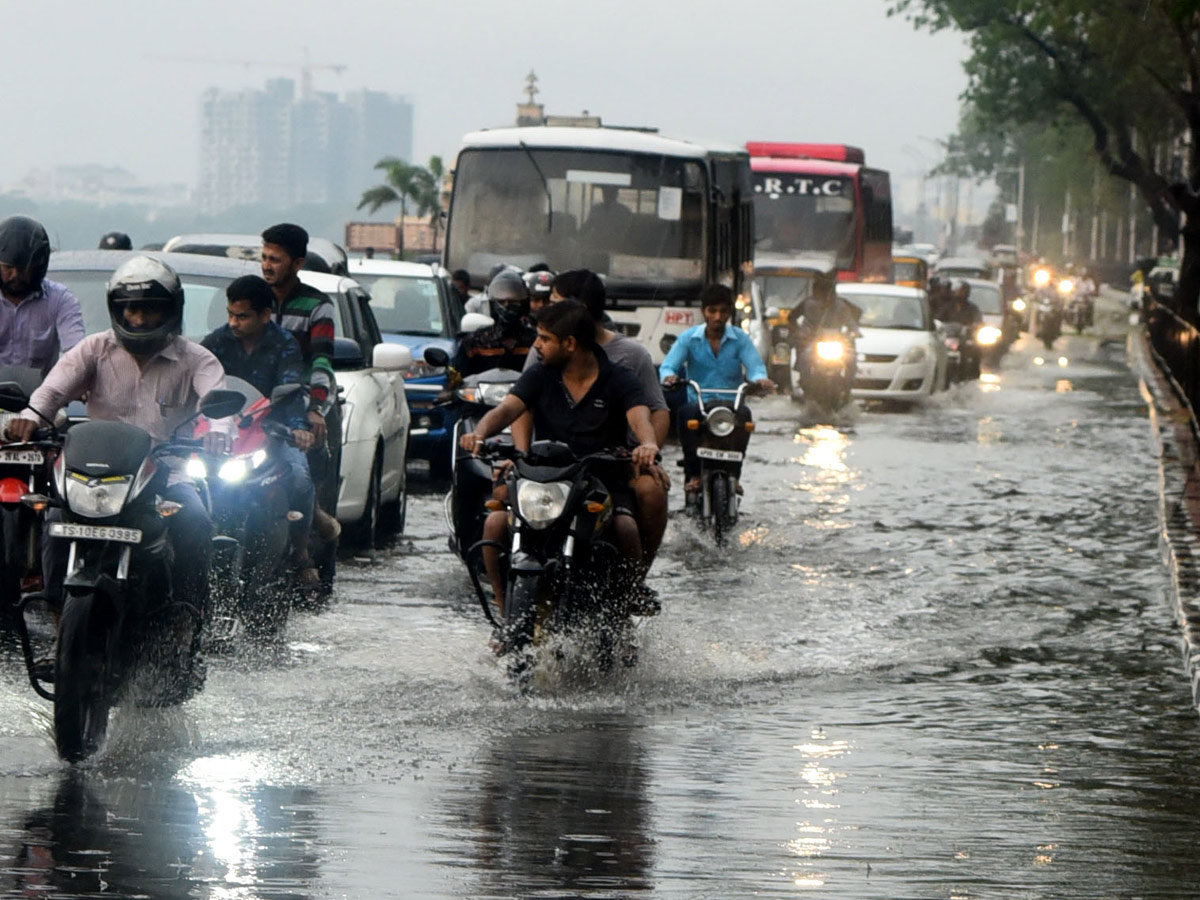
[
  {"x": 721, "y": 421},
  {"x": 196, "y": 468},
  {"x": 831, "y": 351},
  {"x": 234, "y": 469},
  {"x": 541, "y": 503},
  {"x": 987, "y": 335},
  {"x": 1019, "y": 305},
  {"x": 97, "y": 498},
  {"x": 913, "y": 355}
]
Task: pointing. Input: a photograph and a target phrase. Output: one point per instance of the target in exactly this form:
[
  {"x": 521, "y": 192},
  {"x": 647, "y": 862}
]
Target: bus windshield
[
  {"x": 804, "y": 216},
  {"x": 638, "y": 219}
]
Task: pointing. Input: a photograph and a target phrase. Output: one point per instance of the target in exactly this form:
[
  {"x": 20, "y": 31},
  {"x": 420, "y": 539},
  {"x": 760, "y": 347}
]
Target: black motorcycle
[
  {"x": 1049, "y": 319},
  {"x": 826, "y": 368},
  {"x": 964, "y": 357},
  {"x": 563, "y": 573},
  {"x": 471, "y": 476},
  {"x": 248, "y": 498},
  {"x": 720, "y": 455},
  {"x": 1080, "y": 312},
  {"x": 122, "y": 637}
]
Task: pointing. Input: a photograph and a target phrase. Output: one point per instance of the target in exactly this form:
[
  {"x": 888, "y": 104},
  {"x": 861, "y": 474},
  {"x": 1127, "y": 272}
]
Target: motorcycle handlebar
[{"x": 494, "y": 448}]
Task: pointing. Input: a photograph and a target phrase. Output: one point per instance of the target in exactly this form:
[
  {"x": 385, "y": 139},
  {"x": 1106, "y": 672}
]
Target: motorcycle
[
  {"x": 716, "y": 503},
  {"x": 1080, "y": 312},
  {"x": 24, "y": 469},
  {"x": 1049, "y": 319},
  {"x": 247, "y": 493},
  {"x": 826, "y": 368},
  {"x": 563, "y": 573},
  {"x": 471, "y": 476},
  {"x": 963, "y": 355},
  {"x": 122, "y": 637}
]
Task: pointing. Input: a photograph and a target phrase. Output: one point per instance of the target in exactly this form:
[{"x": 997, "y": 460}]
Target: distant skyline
[{"x": 802, "y": 70}]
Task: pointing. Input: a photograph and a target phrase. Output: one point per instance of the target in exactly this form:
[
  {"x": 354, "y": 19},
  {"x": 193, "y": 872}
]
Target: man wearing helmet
[
  {"x": 506, "y": 343},
  {"x": 142, "y": 372},
  {"x": 116, "y": 240},
  {"x": 960, "y": 309},
  {"x": 39, "y": 318}
]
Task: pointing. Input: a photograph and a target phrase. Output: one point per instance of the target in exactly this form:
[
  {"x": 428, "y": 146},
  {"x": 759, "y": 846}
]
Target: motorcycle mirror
[
  {"x": 436, "y": 356},
  {"x": 12, "y": 397},
  {"x": 220, "y": 404}
]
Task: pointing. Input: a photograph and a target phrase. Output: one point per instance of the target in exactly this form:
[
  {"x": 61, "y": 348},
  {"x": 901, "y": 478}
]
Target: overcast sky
[{"x": 83, "y": 86}]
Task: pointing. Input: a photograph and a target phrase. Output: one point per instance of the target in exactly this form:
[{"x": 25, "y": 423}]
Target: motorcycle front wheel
[
  {"x": 718, "y": 492},
  {"x": 80, "y": 696}
]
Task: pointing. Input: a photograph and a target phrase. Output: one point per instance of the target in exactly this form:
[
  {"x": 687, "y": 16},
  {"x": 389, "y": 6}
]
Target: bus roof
[
  {"x": 617, "y": 139},
  {"x": 832, "y": 152},
  {"x": 803, "y": 166}
]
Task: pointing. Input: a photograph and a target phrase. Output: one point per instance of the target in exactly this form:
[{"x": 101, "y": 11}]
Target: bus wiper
[{"x": 545, "y": 186}]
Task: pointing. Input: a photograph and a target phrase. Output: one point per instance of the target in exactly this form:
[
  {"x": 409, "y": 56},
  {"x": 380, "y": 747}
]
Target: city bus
[
  {"x": 657, "y": 217},
  {"x": 821, "y": 201}
]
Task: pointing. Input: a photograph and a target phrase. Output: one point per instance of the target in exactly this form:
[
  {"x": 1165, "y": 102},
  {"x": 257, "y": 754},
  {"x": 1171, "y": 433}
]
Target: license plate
[
  {"x": 724, "y": 455},
  {"x": 28, "y": 457},
  {"x": 96, "y": 532}
]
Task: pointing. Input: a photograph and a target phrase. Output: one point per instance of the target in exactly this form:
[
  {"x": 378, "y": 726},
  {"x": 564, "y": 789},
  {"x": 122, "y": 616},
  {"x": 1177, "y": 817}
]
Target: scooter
[
  {"x": 122, "y": 636},
  {"x": 563, "y": 573},
  {"x": 248, "y": 498}
]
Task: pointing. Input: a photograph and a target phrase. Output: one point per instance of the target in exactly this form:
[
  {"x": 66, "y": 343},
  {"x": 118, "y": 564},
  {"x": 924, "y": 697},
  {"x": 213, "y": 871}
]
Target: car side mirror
[
  {"x": 391, "y": 356},
  {"x": 437, "y": 357},
  {"x": 12, "y": 397}
]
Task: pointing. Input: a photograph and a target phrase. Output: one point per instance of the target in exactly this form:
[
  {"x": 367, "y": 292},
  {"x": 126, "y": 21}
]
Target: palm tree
[{"x": 408, "y": 183}]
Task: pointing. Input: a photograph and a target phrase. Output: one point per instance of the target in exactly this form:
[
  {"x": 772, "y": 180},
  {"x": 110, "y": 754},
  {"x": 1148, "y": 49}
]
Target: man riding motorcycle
[
  {"x": 960, "y": 309},
  {"x": 577, "y": 397},
  {"x": 821, "y": 311},
  {"x": 142, "y": 372},
  {"x": 252, "y": 347},
  {"x": 39, "y": 318},
  {"x": 716, "y": 355},
  {"x": 506, "y": 343}
]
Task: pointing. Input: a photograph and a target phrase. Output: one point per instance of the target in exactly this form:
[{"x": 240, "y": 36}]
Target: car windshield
[
  {"x": 907, "y": 270},
  {"x": 798, "y": 215},
  {"x": 204, "y": 307},
  {"x": 405, "y": 304},
  {"x": 987, "y": 298},
  {"x": 637, "y": 219},
  {"x": 783, "y": 291},
  {"x": 890, "y": 311}
]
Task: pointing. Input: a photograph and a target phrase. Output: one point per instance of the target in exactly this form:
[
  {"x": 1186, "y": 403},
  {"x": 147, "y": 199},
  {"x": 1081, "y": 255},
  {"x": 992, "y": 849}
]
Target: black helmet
[
  {"x": 540, "y": 284},
  {"x": 509, "y": 297},
  {"x": 145, "y": 280},
  {"x": 116, "y": 240},
  {"x": 25, "y": 245}
]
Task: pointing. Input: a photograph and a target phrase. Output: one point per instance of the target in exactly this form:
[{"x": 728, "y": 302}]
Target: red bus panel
[{"x": 831, "y": 152}]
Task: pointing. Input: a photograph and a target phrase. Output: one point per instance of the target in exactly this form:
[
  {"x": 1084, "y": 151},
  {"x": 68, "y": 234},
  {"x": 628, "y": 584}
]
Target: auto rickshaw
[{"x": 910, "y": 271}]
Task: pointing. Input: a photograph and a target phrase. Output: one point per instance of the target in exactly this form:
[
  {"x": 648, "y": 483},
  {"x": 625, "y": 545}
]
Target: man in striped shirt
[{"x": 308, "y": 314}]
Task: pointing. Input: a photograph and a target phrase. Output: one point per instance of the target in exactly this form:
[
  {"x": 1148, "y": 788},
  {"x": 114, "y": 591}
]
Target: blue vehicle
[{"x": 415, "y": 306}]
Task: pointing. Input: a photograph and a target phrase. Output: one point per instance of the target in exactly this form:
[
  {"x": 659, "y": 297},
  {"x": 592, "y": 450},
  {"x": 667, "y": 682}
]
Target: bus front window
[
  {"x": 637, "y": 219},
  {"x": 797, "y": 216}
]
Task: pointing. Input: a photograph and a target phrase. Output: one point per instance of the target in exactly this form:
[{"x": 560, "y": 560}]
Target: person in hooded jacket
[{"x": 507, "y": 342}]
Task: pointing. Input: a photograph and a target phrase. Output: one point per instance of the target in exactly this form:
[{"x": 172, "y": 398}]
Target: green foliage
[{"x": 406, "y": 183}]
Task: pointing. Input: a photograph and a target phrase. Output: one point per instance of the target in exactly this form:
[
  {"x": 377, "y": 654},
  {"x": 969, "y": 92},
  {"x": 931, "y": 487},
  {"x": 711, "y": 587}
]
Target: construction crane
[{"x": 306, "y": 67}]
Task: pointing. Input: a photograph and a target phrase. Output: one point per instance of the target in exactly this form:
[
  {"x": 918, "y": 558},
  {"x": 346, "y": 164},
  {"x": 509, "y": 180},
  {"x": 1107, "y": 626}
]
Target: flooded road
[{"x": 938, "y": 661}]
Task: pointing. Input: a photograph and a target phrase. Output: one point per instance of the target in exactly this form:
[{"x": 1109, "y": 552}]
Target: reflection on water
[
  {"x": 557, "y": 815},
  {"x": 125, "y": 837}
]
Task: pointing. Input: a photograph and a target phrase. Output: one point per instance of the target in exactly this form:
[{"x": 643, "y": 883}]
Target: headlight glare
[
  {"x": 1019, "y": 305},
  {"x": 831, "y": 351},
  {"x": 541, "y": 503},
  {"x": 988, "y": 335},
  {"x": 233, "y": 469},
  {"x": 196, "y": 468}
]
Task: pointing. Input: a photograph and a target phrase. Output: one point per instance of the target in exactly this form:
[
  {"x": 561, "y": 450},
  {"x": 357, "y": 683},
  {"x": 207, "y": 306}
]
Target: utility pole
[{"x": 1021, "y": 205}]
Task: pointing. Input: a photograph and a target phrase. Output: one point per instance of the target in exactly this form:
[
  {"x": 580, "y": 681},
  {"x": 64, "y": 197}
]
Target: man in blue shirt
[
  {"x": 39, "y": 318},
  {"x": 252, "y": 347},
  {"x": 715, "y": 355}
]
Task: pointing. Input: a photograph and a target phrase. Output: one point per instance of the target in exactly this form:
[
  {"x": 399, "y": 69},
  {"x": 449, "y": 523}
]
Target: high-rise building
[{"x": 271, "y": 148}]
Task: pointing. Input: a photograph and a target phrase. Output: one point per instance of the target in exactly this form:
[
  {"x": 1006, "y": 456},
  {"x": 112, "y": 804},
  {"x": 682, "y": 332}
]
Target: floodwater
[{"x": 937, "y": 661}]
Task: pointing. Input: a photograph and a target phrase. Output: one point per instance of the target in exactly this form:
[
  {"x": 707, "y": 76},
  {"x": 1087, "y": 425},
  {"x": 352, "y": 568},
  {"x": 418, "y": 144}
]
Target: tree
[
  {"x": 1128, "y": 70},
  {"x": 406, "y": 184}
]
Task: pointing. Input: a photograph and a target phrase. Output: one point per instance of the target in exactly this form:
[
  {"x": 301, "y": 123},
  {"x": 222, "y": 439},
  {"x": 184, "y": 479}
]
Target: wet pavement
[{"x": 937, "y": 661}]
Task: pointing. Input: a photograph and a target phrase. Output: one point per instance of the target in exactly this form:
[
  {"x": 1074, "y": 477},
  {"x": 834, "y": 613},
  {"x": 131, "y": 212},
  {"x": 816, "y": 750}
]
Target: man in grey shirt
[
  {"x": 39, "y": 318},
  {"x": 650, "y": 488}
]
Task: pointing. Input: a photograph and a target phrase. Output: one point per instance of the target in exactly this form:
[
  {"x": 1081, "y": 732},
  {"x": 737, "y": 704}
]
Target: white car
[
  {"x": 900, "y": 355},
  {"x": 375, "y": 414}
]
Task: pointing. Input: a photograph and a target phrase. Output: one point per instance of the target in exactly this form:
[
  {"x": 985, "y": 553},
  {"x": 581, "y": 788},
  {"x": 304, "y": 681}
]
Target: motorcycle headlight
[
  {"x": 494, "y": 394},
  {"x": 913, "y": 355},
  {"x": 1019, "y": 305},
  {"x": 1066, "y": 286},
  {"x": 721, "y": 421},
  {"x": 831, "y": 351},
  {"x": 234, "y": 469},
  {"x": 97, "y": 498},
  {"x": 196, "y": 468},
  {"x": 1041, "y": 277},
  {"x": 541, "y": 503},
  {"x": 258, "y": 457},
  {"x": 987, "y": 335}
]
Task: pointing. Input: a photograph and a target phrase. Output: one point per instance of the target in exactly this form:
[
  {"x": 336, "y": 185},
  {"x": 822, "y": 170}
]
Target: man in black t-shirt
[{"x": 580, "y": 398}]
